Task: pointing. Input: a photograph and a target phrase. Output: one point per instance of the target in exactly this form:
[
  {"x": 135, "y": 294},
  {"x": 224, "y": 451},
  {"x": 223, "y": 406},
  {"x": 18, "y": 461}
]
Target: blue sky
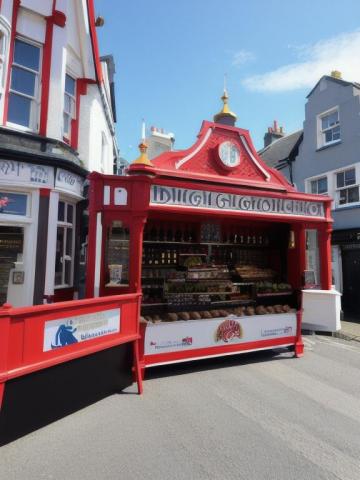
[{"x": 171, "y": 57}]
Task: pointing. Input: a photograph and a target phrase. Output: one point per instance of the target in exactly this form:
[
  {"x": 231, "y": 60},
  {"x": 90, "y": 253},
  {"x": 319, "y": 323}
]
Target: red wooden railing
[{"x": 34, "y": 338}]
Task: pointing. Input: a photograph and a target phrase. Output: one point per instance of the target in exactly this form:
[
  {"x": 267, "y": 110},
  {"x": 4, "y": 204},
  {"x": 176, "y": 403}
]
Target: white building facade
[{"x": 57, "y": 115}]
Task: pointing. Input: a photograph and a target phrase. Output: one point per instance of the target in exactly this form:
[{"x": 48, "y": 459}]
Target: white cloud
[
  {"x": 241, "y": 57},
  {"x": 338, "y": 53}
]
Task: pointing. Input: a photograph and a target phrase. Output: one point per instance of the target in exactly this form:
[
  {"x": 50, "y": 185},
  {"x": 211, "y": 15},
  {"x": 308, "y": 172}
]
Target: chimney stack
[{"x": 275, "y": 132}]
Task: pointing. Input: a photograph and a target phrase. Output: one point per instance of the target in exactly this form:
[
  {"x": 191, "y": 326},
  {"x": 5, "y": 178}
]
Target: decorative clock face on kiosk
[{"x": 229, "y": 154}]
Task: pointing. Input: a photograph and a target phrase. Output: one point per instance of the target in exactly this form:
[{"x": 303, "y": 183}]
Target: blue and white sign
[
  {"x": 70, "y": 330},
  {"x": 13, "y": 203}
]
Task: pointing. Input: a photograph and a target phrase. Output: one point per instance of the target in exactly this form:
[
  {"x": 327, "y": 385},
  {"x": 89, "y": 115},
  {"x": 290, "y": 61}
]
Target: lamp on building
[{"x": 292, "y": 243}]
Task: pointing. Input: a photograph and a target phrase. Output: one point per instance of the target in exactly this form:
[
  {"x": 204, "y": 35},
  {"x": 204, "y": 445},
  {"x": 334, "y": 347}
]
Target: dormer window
[
  {"x": 69, "y": 105},
  {"x": 329, "y": 128}
]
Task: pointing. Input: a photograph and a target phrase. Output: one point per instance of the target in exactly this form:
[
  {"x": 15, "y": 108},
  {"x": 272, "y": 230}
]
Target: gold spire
[
  {"x": 226, "y": 116},
  {"x": 143, "y": 158}
]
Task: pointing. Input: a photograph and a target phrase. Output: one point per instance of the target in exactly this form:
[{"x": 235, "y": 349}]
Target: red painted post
[
  {"x": 137, "y": 368},
  {"x": 299, "y": 344}
]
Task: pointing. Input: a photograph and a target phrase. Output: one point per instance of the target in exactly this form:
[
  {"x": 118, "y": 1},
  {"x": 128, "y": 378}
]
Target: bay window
[
  {"x": 24, "y": 85},
  {"x": 65, "y": 238},
  {"x": 69, "y": 105},
  {"x": 347, "y": 188}
]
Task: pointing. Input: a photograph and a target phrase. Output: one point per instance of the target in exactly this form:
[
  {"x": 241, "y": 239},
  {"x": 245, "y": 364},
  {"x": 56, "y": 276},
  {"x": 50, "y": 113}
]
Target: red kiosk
[{"x": 217, "y": 242}]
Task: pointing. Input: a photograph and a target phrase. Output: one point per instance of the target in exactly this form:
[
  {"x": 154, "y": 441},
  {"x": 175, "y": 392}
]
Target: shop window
[
  {"x": 117, "y": 255},
  {"x": 329, "y": 126},
  {"x": 347, "y": 191},
  {"x": 64, "y": 263},
  {"x": 319, "y": 186},
  {"x": 69, "y": 105},
  {"x": 24, "y": 85},
  {"x": 11, "y": 251}
]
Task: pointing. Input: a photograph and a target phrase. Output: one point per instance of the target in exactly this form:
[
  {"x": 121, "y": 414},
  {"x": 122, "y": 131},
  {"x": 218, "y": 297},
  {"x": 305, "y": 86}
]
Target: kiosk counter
[{"x": 219, "y": 244}]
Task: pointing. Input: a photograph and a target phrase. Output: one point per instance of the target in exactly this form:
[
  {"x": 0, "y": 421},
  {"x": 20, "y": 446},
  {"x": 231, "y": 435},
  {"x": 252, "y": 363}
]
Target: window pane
[
  {"x": 61, "y": 212},
  {"x": 69, "y": 241},
  {"x": 314, "y": 186},
  {"x": 328, "y": 136},
  {"x": 324, "y": 122},
  {"x": 66, "y": 124},
  {"x": 333, "y": 119},
  {"x": 59, "y": 255},
  {"x": 350, "y": 177},
  {"x": 70, "y": 85},
  {"x": 336, "y": 133},
  {"x": 70, "y": 213},
  {"x": 19, "y": 110},
  {"x": 67, "y": 104},
  {"x": 27, "y": 55},
  {"x": 340, "y": 179},
  {"x": 322, "y": 185},
  {"x": 353, "y": 194},
  {"x": 117, "y": 255},
  {"x": 342, "y": 197},
  {"x": 23, "y": 81}
]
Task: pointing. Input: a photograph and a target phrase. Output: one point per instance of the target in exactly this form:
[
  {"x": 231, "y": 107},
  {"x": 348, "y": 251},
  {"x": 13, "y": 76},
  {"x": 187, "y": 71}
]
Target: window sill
[
  {"x": 21, "y": 128},
  {"x": 348, "y": 206},
  {"x": 328, "y": 145}
]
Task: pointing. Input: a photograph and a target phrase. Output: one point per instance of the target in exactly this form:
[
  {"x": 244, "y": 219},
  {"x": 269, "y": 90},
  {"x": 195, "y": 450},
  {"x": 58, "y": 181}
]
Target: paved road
[{"x": 253, "y": 418}]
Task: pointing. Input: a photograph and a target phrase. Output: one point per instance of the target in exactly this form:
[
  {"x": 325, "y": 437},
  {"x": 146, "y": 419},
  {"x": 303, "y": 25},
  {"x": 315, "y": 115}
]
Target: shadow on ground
[{"x": 35, "y": 400}]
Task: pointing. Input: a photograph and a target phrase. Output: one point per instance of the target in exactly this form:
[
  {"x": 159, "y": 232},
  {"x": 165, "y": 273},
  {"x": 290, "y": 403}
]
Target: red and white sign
[{"x": 194, "y": 334}]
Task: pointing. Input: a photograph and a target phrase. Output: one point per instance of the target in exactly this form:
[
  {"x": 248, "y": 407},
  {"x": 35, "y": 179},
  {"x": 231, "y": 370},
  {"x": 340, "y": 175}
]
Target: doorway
[{"x": 351, "y": 282}]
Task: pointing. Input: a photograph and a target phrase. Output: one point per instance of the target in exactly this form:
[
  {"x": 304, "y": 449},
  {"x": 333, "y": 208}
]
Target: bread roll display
[
  {"x": 250, "y": 311},
  {"x": 171, "y": 317}
]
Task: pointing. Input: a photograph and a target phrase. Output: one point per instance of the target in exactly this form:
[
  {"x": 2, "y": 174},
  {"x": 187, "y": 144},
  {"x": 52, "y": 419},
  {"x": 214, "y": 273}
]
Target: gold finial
[
  {"x": 143, "y": 158},
  {"x": 336, "y": 74},
  {"x": 226, "y": 116}
]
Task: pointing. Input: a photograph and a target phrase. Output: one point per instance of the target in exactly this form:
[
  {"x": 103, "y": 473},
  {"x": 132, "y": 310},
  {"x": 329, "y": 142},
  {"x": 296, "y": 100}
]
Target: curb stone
[{"x": 346, "y": 336}]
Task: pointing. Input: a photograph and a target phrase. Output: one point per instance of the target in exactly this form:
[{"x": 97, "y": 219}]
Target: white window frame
[
  {"x": 64, "y": 224},
  {"x": 316, "y": 179},
  {"x": 71, "y": 115},
  {"x": 346, "y": 187},
  {"x": 35, "y": 100},
  {"x": 321, "y": 132},
  {"x": 4, "y": 42}
]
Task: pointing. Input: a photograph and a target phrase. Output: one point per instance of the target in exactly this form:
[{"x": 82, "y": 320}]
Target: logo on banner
[
  {"x": 73, "y": 330},
  {"x": 64, "y": 336},
  {"x": 228, "y": 330}
]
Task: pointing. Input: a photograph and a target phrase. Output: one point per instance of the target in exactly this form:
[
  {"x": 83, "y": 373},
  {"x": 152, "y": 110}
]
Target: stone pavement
[{"x": 350, "y": 329}]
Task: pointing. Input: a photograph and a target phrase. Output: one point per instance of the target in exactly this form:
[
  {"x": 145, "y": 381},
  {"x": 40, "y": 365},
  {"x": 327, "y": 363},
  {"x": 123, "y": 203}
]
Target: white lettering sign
[
  {"x": 14, "y": 172},
  {"x": 69, "y": 182},
  {"x": 183, "y": 197},
  {"x": 70, "y": 330}
]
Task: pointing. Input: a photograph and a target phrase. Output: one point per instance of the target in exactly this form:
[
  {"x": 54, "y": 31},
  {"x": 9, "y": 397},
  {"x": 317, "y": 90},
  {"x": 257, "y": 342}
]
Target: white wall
[
  {"x": 72, "y": 53},
  {"x": 92, "y": 126}
]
